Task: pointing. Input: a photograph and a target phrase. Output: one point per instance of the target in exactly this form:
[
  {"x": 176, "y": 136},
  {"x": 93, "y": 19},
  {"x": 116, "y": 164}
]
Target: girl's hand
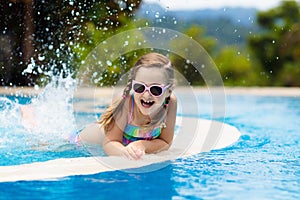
[{"x": 134, "y": 151}]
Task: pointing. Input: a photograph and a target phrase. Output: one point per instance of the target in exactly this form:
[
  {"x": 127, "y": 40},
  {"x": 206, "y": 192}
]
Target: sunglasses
[{"x": 155, "y": 90}]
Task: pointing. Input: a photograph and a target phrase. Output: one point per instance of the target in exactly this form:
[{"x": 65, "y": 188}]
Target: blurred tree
[
  {"x": 236, "y": 67},
  {"x": 276, "y": 45},
  {"x": 57, "y": 27},
  {"x": 11, "y": 36},
  {"x": 290, "y": 51},
  {"x": 184, "y": 66}
]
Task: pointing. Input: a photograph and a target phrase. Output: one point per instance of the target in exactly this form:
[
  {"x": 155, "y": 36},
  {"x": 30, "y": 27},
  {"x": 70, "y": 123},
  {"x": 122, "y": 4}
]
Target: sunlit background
[
  {"x": 253, "y": 43},
  {"x": 207, "y": 4}
]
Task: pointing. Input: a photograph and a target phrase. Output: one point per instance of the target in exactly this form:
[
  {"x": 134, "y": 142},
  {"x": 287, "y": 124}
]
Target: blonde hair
[{"x": 147, "y": 60}]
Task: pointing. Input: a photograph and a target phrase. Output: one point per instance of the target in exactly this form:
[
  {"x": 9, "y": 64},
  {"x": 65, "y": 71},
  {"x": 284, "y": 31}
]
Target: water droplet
[
  {"x": 50, "y": 47},
  {"x": 36, "y": 87},
  {"x": 41, "y": 57},
  {"x": 157, "y": 15},
  {"x": 109, "y": 63}
]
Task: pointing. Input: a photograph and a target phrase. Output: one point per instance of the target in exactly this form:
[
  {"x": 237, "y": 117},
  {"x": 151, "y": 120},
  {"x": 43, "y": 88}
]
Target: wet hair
[{"x": 149, "y": 60}]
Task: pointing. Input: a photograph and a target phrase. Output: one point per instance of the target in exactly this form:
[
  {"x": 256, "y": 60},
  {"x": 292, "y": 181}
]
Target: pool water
[{"x": 263, "y": 164}]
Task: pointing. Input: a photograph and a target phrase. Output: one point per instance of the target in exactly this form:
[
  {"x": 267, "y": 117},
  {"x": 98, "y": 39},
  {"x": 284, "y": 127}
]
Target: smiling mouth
[{"x": 147, "y": 104}]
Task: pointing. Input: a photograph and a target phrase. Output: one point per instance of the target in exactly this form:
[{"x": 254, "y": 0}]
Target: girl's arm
[
  {"x": 92, "y": 133},
  {"x": 112, "y": 144},
  {"x": 164, "y": 141}
]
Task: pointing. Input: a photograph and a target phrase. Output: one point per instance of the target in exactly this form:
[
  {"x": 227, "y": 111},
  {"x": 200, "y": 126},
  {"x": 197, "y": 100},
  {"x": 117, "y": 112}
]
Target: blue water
[{"x": 263, "y": 164}]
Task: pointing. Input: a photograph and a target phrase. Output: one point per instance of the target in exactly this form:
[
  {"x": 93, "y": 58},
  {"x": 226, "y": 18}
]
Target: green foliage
[
  {"x": 67, "y": 31},
  {"x": 289, "y": 75},
  {"x": 236, "y": 67},
  {"x": 197, "y": 33},
  {"x": 109, "y": 72},
  {"x": 184, "y": 66},
  {"x": 64, "y": 31},
  {"x": 278, "y": 45},
  {"x": 106, "y": 22}
]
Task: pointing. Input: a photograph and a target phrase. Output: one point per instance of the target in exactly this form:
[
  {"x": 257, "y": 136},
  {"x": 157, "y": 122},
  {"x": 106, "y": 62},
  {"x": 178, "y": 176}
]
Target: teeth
[{"x": 147, "y": 101}]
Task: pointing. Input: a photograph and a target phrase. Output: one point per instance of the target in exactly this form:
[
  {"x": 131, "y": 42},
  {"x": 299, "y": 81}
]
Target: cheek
[
  {"x": 137, "y": 97},
  {"x": 160, "y": 100}
]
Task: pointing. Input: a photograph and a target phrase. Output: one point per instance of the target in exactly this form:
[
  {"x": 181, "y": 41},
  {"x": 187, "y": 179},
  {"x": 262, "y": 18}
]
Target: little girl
[{"x": 142, "y": 121}]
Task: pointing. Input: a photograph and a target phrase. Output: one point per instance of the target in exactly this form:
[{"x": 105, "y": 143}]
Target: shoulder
[
  {"x": 173, "y": 100},
  {"x": 173, "y": 97},
  {"x": 172, "y": 107},
  {"x": 121, "y": 116}
]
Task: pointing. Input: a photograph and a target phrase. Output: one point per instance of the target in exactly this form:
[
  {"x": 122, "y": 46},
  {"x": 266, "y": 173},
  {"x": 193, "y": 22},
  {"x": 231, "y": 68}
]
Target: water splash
[
  {"x": 52, "y": 109},
  {"x": 9, "y": 112},
  {"x": 47, "y": 121},
  {"x": 11, "y": 129}
]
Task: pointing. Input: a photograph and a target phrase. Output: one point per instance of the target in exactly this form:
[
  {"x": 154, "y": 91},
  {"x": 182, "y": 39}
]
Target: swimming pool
[{"x": 263, "y": 164}]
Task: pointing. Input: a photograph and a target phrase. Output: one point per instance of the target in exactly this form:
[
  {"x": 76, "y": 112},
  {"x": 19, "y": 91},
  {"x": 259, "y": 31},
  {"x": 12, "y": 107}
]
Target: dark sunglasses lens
[
  {"x": 139, "y": 88},
  {"x": 156, "y": 90}
]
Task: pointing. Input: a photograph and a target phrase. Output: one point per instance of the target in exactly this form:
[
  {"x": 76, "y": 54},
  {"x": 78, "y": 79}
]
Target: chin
[
  {"x": 149, "y": 111},
  {"x": 145, "y": 111}
]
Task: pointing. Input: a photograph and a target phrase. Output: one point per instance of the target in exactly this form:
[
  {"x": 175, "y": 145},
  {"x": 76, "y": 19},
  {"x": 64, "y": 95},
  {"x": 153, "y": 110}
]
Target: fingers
[{"x": 133, "y": 153}]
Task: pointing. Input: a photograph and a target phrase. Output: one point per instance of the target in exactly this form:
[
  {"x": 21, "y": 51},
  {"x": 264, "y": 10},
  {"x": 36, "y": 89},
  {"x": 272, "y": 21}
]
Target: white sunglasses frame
[{"x": 164, "y": 88}]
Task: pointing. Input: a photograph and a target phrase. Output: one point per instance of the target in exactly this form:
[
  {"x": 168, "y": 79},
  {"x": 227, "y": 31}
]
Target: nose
[{"x": 147, "y": 92}]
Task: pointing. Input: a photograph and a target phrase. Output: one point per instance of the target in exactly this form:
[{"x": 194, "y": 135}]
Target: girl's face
[{"x": 146, "y": 102}]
